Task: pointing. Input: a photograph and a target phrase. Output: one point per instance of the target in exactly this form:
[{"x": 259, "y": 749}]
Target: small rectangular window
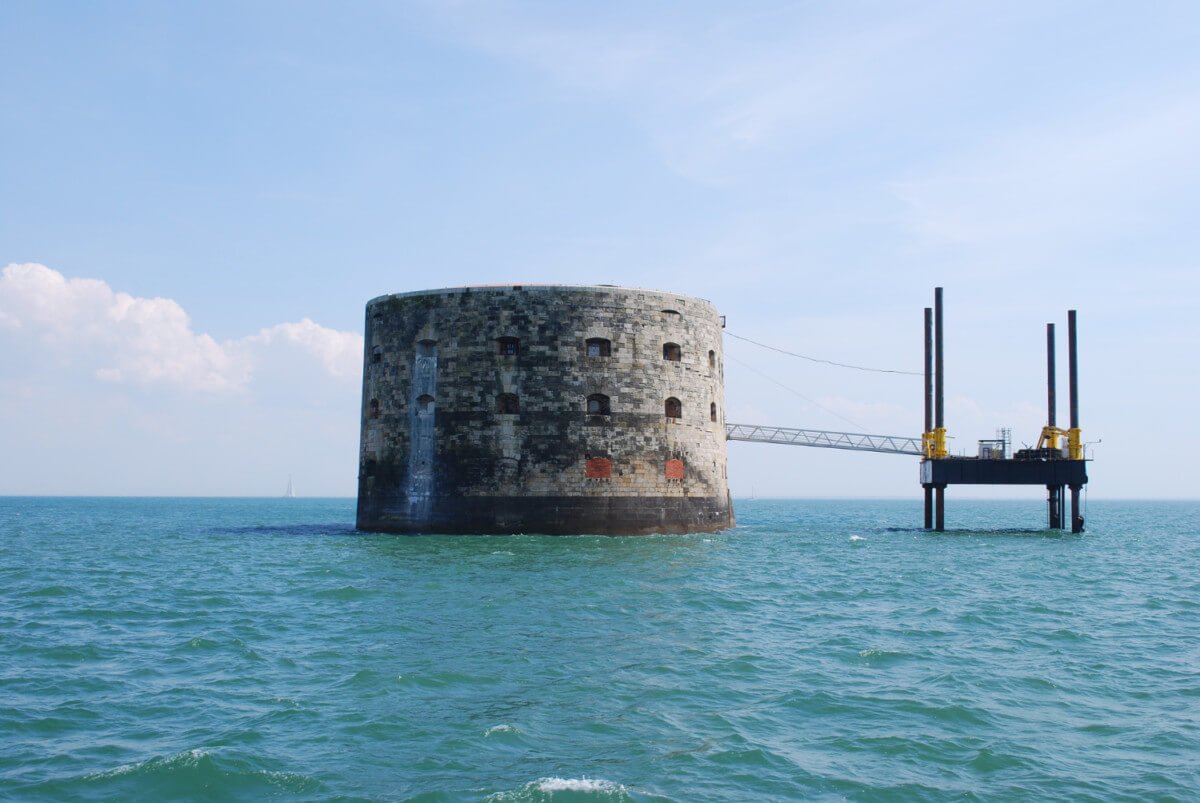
[{"x": 599, "y": 347}]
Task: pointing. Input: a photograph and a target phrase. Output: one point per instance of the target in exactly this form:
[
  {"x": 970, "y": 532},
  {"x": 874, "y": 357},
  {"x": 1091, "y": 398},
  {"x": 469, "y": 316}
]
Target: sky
[{"x": 197, "y": 200}]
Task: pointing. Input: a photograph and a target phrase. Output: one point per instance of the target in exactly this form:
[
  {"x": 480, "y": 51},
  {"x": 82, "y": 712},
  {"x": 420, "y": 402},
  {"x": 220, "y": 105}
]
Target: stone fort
[{"x": 543, "y": 409}]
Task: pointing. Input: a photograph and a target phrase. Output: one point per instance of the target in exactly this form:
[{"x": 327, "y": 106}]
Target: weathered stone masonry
[{"x": 543, "y": 409}]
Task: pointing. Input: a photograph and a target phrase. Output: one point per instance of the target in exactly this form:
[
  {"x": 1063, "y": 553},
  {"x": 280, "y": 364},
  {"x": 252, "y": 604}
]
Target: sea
[{"x": 261, "y": 649}]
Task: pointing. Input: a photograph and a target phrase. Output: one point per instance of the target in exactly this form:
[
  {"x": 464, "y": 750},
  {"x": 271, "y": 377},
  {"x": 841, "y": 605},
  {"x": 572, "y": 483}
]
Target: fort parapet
[{"x": 543, "y": 409}]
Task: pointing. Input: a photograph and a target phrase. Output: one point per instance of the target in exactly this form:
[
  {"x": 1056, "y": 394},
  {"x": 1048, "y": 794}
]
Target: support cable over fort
[{"x": 834, "y": 363}]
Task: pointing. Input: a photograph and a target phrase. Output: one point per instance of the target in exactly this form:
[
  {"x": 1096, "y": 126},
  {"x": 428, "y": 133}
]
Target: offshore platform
[{"x": 1057, "y": 462}]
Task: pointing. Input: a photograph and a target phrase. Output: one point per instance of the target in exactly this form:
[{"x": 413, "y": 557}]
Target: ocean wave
[
  {"x": 561, "y": 790},
  {"x": 343, "y": 593},
  {"x": 181, "y": 774},
  {"x": 875, "y": 656}
]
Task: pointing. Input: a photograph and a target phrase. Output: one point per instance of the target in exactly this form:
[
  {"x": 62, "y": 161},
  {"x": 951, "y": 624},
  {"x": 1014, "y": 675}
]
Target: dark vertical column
[
  {"x": 928, "y": 407},
  {"x": 939, "y": 367},
  {"x": 1073, "y": 369},
  {"x": 1051, "y": 400},
  {"x": 939, "y": 397},
  {"x": 1054, "y": 492},
  {"x": 928, "y": 369},
  {"x": 1073, "y": 386}
]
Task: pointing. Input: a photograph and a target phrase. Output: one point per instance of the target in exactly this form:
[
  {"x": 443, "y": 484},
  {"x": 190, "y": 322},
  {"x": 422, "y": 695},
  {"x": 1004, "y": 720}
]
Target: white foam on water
[
  {"x": 579, "y": 785},
  {"x": 856, "y": 538},
  {"x": 544, "y": 790},
  {"x": 500, "y": 729}
]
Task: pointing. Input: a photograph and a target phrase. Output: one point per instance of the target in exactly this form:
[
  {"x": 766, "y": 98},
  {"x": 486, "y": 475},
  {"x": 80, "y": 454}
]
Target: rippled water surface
[{"x": 251, "y": 649}]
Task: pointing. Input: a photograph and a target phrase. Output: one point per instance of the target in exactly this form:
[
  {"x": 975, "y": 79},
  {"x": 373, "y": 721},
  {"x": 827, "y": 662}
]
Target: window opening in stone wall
[
  {"x": 508, "y": 346},
  {"x": 670, "y": 312},
  {"x": 712, "y": 412},
  {"x": 508, "y": 404},
  {"x": 374, "y": 408},
  {"x": 377, "y": 354},
  {"x": 672, "y": 352},
  {"x": 369, "y": 468},
  {"x": 425, "y": 404},
  {"x": 712, "y": 361},
  {"x": 597, "y": 404},
  {"x": 599, "y": 347},
  {"x": 673, "y": 408},
  {"x": 427, "y": 348}
]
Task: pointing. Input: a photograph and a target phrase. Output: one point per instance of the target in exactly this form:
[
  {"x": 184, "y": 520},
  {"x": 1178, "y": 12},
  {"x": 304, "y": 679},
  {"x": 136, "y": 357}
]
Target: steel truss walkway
[{"x": 888, "y": 444}]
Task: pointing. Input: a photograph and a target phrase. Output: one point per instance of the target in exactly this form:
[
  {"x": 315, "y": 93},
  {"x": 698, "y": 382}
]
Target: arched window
[
  {"x": 599, "y": 347},
  {"x": 712, "y": 412},
  {"x": 508, "y": 346},
  {"x": 672, "y": 352},
  {"x": 425, "y": 405},
  {"x": 597, "y": 404},
  {"x": 673, "y": 408},
  {"x": 508, "y": 404},
  {"x": 374, "y": 408},
  {"x": 671, "y": 312},
  {"x": 712, "y": 361},
  {"x": 377, "y": 354}
]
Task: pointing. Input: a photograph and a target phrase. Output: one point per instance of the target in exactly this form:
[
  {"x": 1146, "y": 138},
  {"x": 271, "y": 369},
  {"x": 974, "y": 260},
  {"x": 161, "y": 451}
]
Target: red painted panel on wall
[
  {"x": 598, "y": 468},
  {"x": 674, "y": 469}
]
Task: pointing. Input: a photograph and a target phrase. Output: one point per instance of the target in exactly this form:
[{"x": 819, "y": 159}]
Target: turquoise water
[{"x": 256, "y": 649}]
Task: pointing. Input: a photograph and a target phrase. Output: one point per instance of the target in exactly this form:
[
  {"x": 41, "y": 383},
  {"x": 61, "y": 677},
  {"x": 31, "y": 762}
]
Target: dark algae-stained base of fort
[{"x": 543, "y": 409}]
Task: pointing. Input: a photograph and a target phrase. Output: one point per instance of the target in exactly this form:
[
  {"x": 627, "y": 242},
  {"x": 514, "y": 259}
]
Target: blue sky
[{"x": 235, "y": 180}]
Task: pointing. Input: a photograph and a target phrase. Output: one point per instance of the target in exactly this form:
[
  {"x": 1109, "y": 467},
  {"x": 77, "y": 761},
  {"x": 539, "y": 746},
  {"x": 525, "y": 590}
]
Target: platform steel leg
[
  {"x": 940, "y": 497},
  {"x": 928, "y": 507},
  {"x": 1054, "y": 505},
  {"x": 1076, "y": 518}
]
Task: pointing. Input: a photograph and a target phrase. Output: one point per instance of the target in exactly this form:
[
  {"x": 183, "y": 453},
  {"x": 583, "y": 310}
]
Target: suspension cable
[
  {"x": 813, "y": 402},
  {"x": 826, "y": 362}
]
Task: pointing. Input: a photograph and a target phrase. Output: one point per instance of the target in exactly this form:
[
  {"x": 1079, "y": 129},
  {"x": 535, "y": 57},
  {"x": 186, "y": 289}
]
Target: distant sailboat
[{"x": 290, "y": 493}]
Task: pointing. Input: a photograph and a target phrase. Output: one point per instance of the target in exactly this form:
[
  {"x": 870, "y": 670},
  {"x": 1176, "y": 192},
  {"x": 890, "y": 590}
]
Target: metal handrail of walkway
[{"x": 853, "y": 441}]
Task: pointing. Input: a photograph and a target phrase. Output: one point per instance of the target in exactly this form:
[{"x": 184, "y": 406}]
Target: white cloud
[
  {"x": 149, "y": 341},
  {"x": 340, "y": 353}
]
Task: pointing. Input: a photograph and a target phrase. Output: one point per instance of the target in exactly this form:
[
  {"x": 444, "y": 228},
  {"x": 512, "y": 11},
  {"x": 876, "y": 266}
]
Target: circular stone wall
[{"x": 543, "y": 409}]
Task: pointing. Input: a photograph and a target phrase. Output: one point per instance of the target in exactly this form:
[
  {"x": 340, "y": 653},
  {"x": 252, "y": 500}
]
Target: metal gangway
[{"x": 887, "y": 444}]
